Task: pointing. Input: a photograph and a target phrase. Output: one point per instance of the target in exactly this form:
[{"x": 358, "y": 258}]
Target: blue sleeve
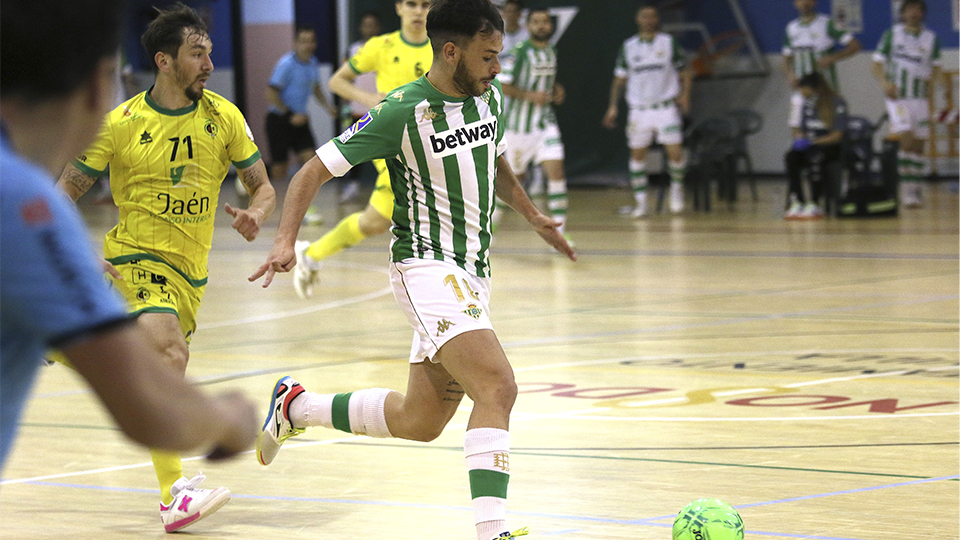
[
  {"x": 50, "y": 279},
  {"x": 281, "y": 74}
]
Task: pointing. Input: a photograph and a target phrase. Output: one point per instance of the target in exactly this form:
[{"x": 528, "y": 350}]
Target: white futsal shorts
[
  {"x": 663, "y": 122},
  {"x": 536, "y": 147},
  {"x": 441, "y": 301},
  {"x": 911, "y": 115}
]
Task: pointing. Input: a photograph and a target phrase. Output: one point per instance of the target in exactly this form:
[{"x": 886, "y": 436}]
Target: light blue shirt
[
  {"x": 295, "y": 81},
  {"x": 52, "y": 290}
]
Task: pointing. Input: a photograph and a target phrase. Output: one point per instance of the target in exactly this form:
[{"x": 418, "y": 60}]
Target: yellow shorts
[
  {"x": 382, "y": 197},
  {"x": 155, "y": 287}
]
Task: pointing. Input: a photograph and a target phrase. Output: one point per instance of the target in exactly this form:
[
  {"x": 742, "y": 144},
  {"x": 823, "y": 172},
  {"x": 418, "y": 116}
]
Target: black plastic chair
[
  {"x": 712, "y": 146},
  {"x": 750, "y": 123}
]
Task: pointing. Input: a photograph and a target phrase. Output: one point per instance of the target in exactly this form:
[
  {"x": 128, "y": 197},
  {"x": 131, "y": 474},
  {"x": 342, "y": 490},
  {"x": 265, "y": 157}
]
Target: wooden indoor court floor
[{"x": 806, "y": 373}]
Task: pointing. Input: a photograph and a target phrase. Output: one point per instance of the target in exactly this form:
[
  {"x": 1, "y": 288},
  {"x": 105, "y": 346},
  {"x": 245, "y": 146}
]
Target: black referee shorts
[{"x": 283, "y": 137}]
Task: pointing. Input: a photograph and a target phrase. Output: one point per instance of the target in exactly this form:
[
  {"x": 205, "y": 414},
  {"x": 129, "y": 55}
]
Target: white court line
[
  {"x": 295, "y": 312},
  {"x": 150, "y": 464},
  {"x": 314, "y": 308},
  {"x": 292, "y": 445}
]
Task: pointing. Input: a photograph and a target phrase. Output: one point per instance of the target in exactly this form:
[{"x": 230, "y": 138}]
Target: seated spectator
[{"x": 816, "y": 142}]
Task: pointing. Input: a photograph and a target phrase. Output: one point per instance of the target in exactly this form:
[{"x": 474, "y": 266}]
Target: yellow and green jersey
[
  {"x": 166, "y": 167},
  {"x": 395, "y": 60}
]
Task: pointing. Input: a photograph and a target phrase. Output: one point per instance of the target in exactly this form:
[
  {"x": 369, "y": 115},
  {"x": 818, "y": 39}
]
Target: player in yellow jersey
[
  {"x": 397, "y": 58},
  {"x": 169, "y": 149}
]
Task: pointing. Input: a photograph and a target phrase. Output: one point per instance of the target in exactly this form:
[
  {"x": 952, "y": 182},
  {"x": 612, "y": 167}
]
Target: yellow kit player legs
[
  {"x": 397, "y": 58},
  {"x": 169, "y": 150}
]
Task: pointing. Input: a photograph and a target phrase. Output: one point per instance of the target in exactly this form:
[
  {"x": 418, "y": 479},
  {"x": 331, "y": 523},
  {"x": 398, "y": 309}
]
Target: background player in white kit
[
  {"x": 529, "y": 79},
  {"x": 808, "y": 45},
  {"x": 441, "y": 137},
  {"x": 905, "y": 61},
  {"x": 657, "y": 78}
]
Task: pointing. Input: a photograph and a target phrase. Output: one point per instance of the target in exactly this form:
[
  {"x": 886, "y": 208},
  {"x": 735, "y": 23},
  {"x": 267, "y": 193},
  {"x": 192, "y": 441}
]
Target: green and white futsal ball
[{"x": 708, "y": 519}]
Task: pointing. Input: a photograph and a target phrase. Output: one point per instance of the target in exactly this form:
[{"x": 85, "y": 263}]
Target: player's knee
[
  {"x": 176, "y": 354},
  {"x": 500, "y": 393}
]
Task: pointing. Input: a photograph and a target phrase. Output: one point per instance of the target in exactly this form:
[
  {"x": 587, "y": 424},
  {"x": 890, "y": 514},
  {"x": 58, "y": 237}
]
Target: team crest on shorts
[
  {"x": 143, "y": 295},
  {"x": 473, "y": 311}
]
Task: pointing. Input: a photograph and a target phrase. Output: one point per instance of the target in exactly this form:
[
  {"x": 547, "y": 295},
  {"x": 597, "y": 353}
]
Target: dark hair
[
  {"x": 518, "y": 3},
  {"x": 537, "y": 9},
  {"x": 49, "y": 48},
  {"x": 300, "y": 28},
  {"x": 826, "y": 95},
  {"x": 373, "y": 14},
  {"x": 921, "y": 3},
  {"x": 460, "y": 20},
  {"x": 165, "y": 32}
]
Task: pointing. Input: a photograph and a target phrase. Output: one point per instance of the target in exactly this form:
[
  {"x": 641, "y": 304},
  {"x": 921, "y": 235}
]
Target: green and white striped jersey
[
  {"x": 651, "y": 68},
  {"x": 441, "y": 153},
  {"x": 810, "y": 41},
  {"x": 532, "y": 69},
  {"x": 909, "y": 58}
]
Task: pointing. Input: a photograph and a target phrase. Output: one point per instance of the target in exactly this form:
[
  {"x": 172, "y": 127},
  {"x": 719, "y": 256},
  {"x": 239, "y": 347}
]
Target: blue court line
[{"x": 646, "y": 522}]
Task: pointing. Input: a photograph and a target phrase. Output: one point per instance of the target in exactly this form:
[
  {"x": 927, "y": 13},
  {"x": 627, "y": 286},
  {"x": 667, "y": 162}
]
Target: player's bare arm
[
  {"x": 851, "y": 49},
  {"x": 153, "y": 405},
  {"x": 889, "y": 89},
  {"x": 511, "y": 192},
  {"x": 304, "y": 186},
  {"x": 686, "y": 82},
  {"x": 75, "y": 182},
  {"x": 537, "y": 98},
  {"x": 263, "y": 199},
  {"x": 787, "y": 68},
  {"x": 616, "y": 90},
  {"x": 342, "y": 84}
]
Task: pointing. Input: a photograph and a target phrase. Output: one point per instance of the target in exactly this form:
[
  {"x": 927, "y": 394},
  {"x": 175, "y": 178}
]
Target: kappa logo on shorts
[
  {"x": 443, "y": 326},
  {"x": 473, "y": 311}
]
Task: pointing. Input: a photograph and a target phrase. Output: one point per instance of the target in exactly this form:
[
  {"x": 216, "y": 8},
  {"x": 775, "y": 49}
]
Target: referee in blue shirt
[{"x": 294, "y": 78}]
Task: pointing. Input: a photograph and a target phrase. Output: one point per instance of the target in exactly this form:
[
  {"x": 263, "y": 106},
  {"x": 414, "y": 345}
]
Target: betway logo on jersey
[{"x": 472, "y": 135}]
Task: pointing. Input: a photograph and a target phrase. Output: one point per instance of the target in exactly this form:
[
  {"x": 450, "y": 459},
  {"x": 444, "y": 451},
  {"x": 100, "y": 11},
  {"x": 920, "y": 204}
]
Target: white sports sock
[{"x": 488, "y": 462}]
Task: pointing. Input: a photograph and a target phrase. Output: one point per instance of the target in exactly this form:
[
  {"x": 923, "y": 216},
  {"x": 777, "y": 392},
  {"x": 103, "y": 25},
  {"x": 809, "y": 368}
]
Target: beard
[
  {"x": 193, "y": 94},
  {"x": 465, "y": 83}
]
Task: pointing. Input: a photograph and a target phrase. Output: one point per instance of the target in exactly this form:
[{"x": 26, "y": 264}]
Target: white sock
[
  {"x": 488, "y": 463},
  {"x": 360, "y": 412}
]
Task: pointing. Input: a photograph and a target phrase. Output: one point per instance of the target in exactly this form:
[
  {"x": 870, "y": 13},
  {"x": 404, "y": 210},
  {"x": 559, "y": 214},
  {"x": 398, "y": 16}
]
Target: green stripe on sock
[
  {"x": 341, "y": 412},
  {"x": 484, "y": 483}
]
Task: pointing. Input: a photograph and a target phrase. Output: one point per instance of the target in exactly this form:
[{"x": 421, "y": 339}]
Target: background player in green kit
[
  {"x": 529, "y": 79},
  {"x": 169, "y": 150},
  {"x": 442, "y": 138},
  {"x": 905, "y": 61}
]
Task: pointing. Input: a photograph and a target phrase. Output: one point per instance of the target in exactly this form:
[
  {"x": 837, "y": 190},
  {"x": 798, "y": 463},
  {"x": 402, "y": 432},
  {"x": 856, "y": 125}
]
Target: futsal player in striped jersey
[
  {"x": 442, "y": 139},
  {"x": 529, "y": 80},
  {"x": 169, "y": 150},
  {"x": 656, "y": 76},
  {"x": 905, "y": 62}
]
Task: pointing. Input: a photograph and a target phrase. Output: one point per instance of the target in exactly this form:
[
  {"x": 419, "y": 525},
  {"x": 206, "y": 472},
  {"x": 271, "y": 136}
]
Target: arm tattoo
[
  {"x": 78, "y": 180},
  {"x": 252, "y": 178}
]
